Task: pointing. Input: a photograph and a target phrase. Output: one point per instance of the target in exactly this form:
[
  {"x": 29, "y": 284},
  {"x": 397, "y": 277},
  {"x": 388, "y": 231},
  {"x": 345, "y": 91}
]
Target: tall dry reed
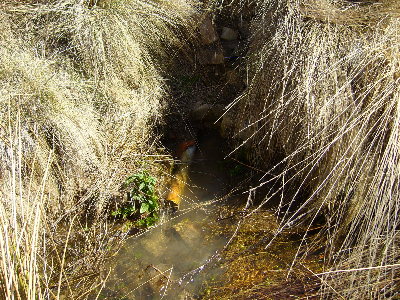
[
  {"x": 81, "y": 90},
  {"x": 321, "y": 113}
]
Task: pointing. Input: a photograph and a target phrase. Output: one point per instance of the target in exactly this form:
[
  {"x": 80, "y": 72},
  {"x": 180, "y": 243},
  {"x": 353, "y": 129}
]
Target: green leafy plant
[
  {"x": 187, "y": 82},
  {"x": 232, "y": 166},
  {"x": 124, "y": 212},
  {"x": 143, "y": 199},
  {"x": 142, "y": 190}
]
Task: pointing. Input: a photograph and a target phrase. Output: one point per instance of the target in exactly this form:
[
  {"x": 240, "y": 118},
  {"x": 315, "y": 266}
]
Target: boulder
[
  {"x": 207, "y": 112},
  {"x": 244, "y": 29},
  {"x": 233, "y": 77},
  {"x": 227, "y": 125},
  {"x": 189, "y": 232},
  {"x": 207, "y": 32},
  {"x": 231, "y": 48},
  {"x": 229, "y": 34}
]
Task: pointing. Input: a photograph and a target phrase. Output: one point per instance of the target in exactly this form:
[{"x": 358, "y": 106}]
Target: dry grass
[
  {"x": 105, "y": 63},
  {"x": 81, "y": 91},
  {"x": 323, "y": 94}
]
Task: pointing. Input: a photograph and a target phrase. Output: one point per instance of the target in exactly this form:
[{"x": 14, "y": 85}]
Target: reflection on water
[
  {"x": 167, "y": 262},
  {"x": 172, "y": 260}
]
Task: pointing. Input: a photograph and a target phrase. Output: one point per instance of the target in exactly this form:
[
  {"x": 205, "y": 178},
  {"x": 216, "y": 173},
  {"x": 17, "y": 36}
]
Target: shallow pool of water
[{"x": 172, "y": 260}]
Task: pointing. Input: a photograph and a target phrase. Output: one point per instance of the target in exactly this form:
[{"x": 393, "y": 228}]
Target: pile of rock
[
  {"x": 223, "y": 41},
  {"x": 220, "y": 47}
]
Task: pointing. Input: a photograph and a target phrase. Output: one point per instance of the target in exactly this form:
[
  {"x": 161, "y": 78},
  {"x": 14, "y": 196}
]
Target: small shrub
[{"x": 143, "y": 200}]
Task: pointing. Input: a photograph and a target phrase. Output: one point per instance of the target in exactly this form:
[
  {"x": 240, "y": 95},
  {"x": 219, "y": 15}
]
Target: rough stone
[
  {"x": 207, "y": 32},
  {"x": 189, "y": 233},
  {"x": 233, "y": 77},
  {"x": 156, "y": 246},
  {"x": 231, "y": 48},
  {"x": 207, "y": 112},
  {"x": 244, "y": 29},
  {"x": 229, "y": 34},
  {"x": 247, "y": 10},
  {"x": 227, "y": 125}
]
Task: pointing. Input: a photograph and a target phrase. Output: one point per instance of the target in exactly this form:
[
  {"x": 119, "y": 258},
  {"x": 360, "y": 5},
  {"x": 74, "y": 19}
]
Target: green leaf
[
  {"x": 141, "y": 186},
  {"x": 129, "y": 180},
  {"x": 139, "y": 197},
  {"x": 144, "y": 208},
  {"x": 142, "y": 190}
]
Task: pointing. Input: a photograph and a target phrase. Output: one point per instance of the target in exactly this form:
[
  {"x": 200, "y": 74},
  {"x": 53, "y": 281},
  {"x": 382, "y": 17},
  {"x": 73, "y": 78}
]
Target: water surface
[{"x": 172, "y": 260}]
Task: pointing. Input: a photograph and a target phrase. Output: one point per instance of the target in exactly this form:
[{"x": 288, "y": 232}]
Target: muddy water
[{"x": 172, "y": 260}]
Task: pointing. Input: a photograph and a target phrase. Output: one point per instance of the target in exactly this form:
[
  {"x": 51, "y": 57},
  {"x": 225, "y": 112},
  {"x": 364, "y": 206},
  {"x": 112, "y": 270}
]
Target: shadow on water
[{"x": 172, "y": 260}]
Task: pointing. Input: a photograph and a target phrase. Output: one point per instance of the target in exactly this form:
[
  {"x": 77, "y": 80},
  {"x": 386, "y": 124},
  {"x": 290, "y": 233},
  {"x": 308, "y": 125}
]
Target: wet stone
[
  {"x": 233, "y": 77},
  {"x": 244, "y": 29},
  {"x": 189, "y": 232},
  {"x": 207, "y": 112},
  {"x": 231, "y": 48},
  {"x": 207, "y": 32},
  {"x": 229, "y": 34},
  {"x": 247, "y": 10},
  {"x": 155, "y": 249},
  {"x": 227, "y": 125}
]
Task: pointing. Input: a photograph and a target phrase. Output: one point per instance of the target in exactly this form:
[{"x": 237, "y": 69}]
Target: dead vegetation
[
  {"x": 81, "y": 92},
  {"x": 323, "y": 94}
]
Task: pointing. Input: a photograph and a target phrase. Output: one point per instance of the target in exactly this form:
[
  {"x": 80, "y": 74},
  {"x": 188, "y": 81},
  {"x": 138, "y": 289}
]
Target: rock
[
  {"x": 155, "y": 247},
  {"x": 231, "y": 48},
  {"x": 227, "y": 125},
  {"x": 247, "y": 10},
  {"x": 207, "y": 32},
  {"x": 244, "y": 29},
  {"x": 188, "y": 232},
  {"x": 212, "y": 55},
  {"x": 229, "y": 34},
  {"x": 207, "y": 112},
  {"x": 245, "y": 132}
]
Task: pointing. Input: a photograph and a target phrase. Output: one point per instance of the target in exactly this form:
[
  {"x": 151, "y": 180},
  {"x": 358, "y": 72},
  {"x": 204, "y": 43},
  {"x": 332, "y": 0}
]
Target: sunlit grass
[
  {"x": 81, "y": 89},
  {"x": 322, "y": 109}
]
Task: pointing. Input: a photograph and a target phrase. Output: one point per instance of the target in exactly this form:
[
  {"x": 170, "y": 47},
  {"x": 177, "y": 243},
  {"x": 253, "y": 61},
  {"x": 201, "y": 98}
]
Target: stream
[{"x": 173, "y": 259}]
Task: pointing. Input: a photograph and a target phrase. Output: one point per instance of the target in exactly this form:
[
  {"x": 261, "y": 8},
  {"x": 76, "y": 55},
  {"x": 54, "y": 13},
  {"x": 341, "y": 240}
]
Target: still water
[{"x": 172, "y": 260}]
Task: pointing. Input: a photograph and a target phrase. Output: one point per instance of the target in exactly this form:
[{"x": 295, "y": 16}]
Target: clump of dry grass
[
  {"x": 39, "y": 258},
  {"x": 20, "y": 235},
  {"x": 81, "y": 91},
  {"x": 110, "y": 54},
  {"x": 323, "y": 94}
]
